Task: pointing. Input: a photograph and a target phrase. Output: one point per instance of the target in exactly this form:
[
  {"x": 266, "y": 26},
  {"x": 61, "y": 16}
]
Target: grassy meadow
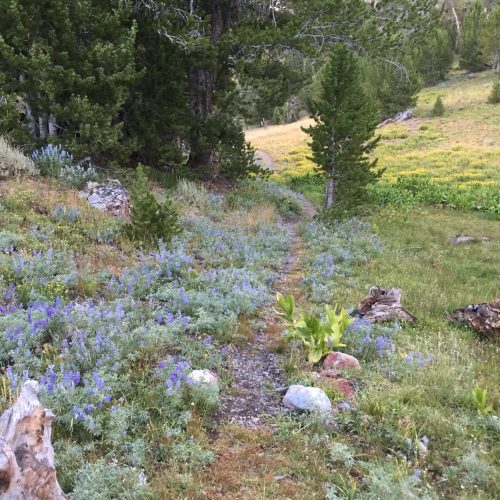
[
  {"x": 414, "y": 417},
  {"x": 456, "y": 157},
  {"x": 112, "y": 328}
]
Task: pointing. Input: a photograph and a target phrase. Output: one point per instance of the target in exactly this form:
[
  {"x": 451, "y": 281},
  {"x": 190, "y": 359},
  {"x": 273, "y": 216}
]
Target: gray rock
[
  {"x": 110, "y": 197},
  {"x": 311, "y": 399},
  {"x": 203, "y": 377}
]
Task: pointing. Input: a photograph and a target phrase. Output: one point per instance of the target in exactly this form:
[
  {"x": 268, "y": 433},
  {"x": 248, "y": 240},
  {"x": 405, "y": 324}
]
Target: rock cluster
[
  {"x": 27, "y": 467},
  {"x": 110, "y": 197}
]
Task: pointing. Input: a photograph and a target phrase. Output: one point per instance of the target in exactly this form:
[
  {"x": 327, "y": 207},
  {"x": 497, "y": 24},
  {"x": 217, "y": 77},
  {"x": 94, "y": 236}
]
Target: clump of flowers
[
  {"x": 55, "y": 161},
  {"x": 417, "y": 359},
  {"x": 369, "y": 341},
  {"x": 333, "y": 251}
]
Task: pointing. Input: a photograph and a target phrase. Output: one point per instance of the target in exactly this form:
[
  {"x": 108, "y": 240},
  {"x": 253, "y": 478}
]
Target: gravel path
[{"x": 257, "y": 374}]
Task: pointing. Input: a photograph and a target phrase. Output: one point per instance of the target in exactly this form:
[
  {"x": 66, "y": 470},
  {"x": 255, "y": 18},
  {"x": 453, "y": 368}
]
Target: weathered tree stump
[
  {"x": 384, "y": 305},
  {"x": 27, "y": 469},
  {"x": 484, "y": 318}
]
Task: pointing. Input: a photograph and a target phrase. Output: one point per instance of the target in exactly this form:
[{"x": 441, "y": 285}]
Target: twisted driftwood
[
  {"x": 384, "y": 304},
  {"x": 483, "y": 318},
  {"x": 27, "y": 469}
]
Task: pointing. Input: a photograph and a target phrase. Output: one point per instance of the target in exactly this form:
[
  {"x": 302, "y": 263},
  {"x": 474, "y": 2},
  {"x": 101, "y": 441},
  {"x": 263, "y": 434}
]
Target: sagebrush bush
[
  {"x": 102, "y": 481},
  {"x": 12, "y": 162},
  {"x": 494, "y": 97},
  {"x": 150, "y": 220}
]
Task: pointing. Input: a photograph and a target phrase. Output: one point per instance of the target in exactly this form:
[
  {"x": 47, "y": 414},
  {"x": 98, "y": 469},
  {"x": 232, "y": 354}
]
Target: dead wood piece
[
  {"x": 460, "y": 239},
  {"x": 384, "y": 304},
  {"x": 27, "y": 468},
  {"x": 484, "y": 318}
]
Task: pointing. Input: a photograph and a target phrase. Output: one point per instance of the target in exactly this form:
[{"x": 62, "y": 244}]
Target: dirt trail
[{"x": 258, "y": 382}]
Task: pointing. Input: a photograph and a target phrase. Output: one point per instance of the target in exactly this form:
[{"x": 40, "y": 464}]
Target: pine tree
[
  {"x": 438, "y": 109},
  {"x": 471, "y": 55},
  {"x": 494, "y": 97},
  {"x": 344, "y": 132},
  {"x": 435, "y": 56},
  {"x": 150, "y": 220},
  {"x": 69, "y": 64},
  {"x": 491, "y": 37}
]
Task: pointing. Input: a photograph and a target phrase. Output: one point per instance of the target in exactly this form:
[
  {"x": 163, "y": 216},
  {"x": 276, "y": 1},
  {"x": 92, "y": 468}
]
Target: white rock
[
  {"x": 203, "y": 377},
  {"x": 312, "y": 399}
]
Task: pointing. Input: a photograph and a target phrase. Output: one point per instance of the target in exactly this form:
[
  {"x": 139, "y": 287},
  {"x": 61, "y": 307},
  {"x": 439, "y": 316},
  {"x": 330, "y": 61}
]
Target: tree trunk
[
  {"x": 330, "y": 178},
  {"x": 202, "y": 79},
  {"x": 52, "y": 124},
  {"x": 457, "y": 24},
  {"x": 329, "y": 193}
]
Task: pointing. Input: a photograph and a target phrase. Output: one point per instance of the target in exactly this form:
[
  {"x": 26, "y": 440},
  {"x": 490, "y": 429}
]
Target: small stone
[
  {"x": 203, "y": 377},
  {"x": 344, "y": 407},
  {"x": 311, "y": 399},
  {"x": 341, "y": 385},
  {"x": 339, "y": 361}
]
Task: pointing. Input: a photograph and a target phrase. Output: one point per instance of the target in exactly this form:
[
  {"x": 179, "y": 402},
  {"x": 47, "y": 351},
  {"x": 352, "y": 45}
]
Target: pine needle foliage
[
  {"x": 494, "y": 97},
  {"x": 150, "y": 220},
  {"x": 343, "y": 136},
  {"x": 438, "y": 109}
]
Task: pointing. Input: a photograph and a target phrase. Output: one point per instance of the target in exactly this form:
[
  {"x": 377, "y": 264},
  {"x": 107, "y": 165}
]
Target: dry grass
[
  {"x": 12, "y": 162},
  {"x": 254, "y": 218}
]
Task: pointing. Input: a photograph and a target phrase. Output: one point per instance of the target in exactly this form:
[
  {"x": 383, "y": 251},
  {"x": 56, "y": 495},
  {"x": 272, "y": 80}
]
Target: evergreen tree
[
  {"x": 435, "y": 56},
  {"x": 494, "y": 97},
  {"x": 438, "y": 109},
  {"x": 492, "y": 36},
  {"x": 150, "y": 220},
  {"x": 471, "y": 55},
  {"x": 344, "y": 132},
  {"x": 393, "y": 87},
  {"x": 69, "y": 64}
]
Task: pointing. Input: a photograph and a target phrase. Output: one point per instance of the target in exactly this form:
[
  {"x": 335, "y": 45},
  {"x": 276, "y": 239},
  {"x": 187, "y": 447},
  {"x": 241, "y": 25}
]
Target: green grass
[{"x": 396, "y": 406}]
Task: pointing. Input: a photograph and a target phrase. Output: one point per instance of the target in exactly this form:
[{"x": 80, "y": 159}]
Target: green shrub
[
  {"x": 438, "y": 109},
  {"x": 494, "y": 97},
  {"x": 107, "y": 480},
  {"x": 150, "y": 220}
]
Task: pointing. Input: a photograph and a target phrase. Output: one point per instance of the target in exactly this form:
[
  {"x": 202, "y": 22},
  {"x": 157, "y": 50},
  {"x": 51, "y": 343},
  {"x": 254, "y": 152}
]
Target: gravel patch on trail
[
  {"x": 256, "y": 392},
  {"x": 258, "y": 384}
]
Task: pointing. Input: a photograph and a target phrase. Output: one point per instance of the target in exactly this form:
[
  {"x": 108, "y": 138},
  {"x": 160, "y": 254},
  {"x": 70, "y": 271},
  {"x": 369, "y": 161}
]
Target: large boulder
[
  {"x": 311, "y": 399},
  {"x": 110, "y": 197},
  {"x": 384, "y": 304},
  {"x": 27, "y": 467},
  {"x": 482, "y": 318}
]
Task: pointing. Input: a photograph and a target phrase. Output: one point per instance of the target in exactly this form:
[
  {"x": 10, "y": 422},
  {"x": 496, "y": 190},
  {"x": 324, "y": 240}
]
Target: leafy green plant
[
  {"x": 151, "y": 220},
  {"x": 319, "y": 336},
  {"x": 479, "y": 400}
]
